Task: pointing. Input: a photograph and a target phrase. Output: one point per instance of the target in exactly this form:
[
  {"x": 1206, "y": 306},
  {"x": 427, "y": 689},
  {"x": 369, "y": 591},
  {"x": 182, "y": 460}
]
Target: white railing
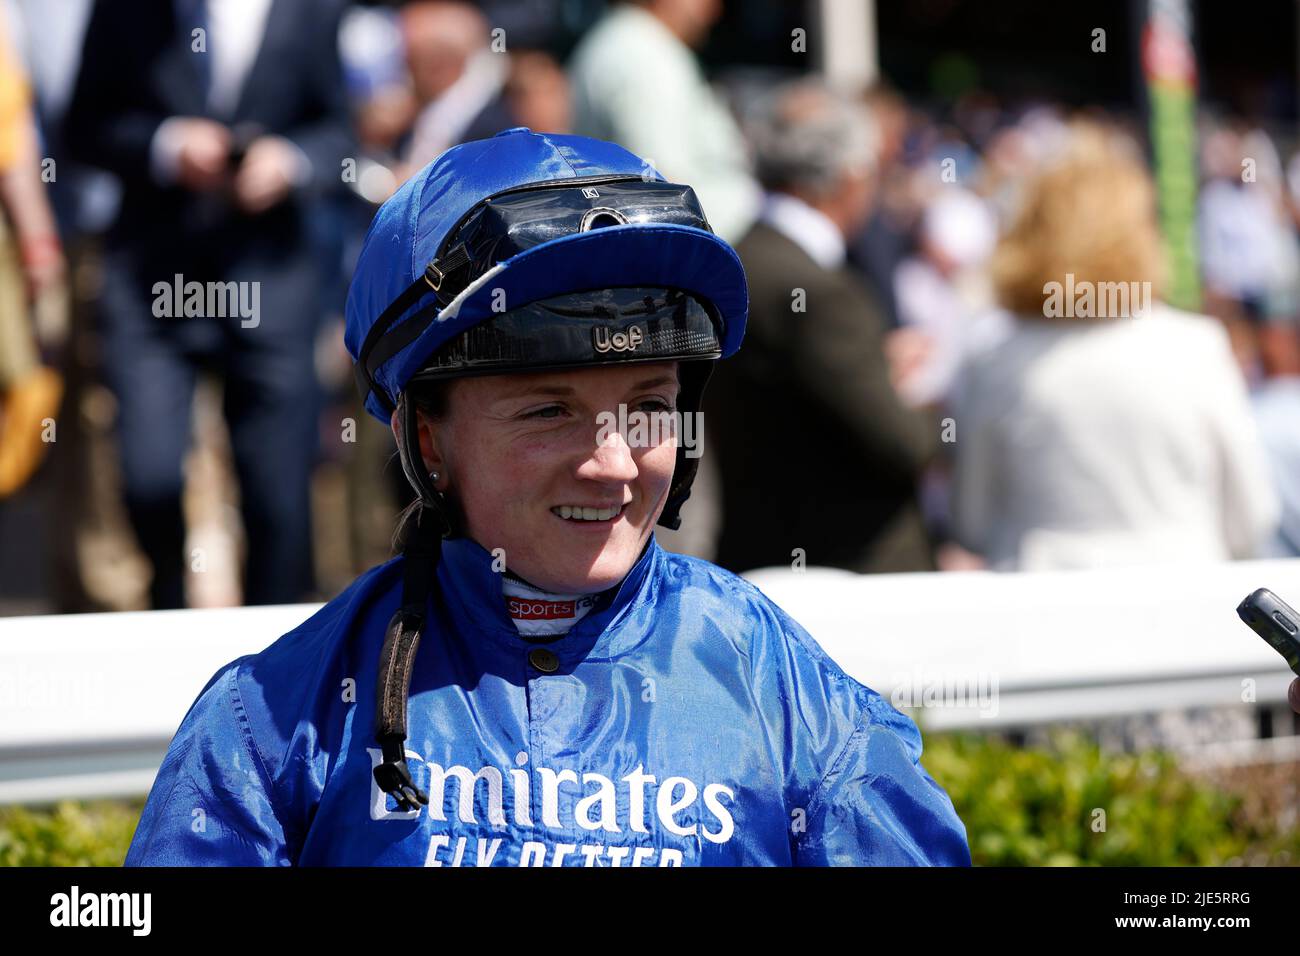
[
  {"x": 1056, "y": 645},
  {"x": 88, "y": 702}
]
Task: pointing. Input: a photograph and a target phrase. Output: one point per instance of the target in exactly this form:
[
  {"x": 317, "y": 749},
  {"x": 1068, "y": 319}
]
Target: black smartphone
[{"x": 1275, "y": 621}]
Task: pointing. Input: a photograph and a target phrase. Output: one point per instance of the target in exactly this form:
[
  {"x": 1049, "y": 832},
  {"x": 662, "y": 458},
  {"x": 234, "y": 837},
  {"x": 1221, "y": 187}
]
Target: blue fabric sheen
[{"x": 690, "y": 722}]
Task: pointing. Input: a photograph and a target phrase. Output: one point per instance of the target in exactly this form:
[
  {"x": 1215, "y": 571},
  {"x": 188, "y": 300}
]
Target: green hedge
[
  {"x": 1038, "y": 807},
  {"x": 96, "y": 833},
  {"x": 1021, "y": 807}
]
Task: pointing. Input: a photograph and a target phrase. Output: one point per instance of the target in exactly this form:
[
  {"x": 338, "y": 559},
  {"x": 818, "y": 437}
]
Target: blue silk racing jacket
[{"x": 689, "y": 721}]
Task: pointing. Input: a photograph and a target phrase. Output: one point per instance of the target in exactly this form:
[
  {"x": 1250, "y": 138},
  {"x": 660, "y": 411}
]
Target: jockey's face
[{"x": 517, "y": 450}]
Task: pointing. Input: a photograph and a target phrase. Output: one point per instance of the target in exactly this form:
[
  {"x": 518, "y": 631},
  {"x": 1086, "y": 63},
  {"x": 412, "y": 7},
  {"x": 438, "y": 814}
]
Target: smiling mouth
[{"x": 582, "y": 513}]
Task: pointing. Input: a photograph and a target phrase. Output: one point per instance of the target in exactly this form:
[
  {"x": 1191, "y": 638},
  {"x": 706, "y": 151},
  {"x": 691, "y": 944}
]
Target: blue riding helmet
[{"x": 554, "y": 214}]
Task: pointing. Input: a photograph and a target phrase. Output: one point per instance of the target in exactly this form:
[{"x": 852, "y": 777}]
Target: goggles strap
[
  {"x": 396, "y": 309},
  {"x": 446, "y": 275}
]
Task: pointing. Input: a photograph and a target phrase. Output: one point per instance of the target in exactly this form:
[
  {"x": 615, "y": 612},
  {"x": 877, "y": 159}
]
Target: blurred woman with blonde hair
[{"x": 1106, "y": 428}]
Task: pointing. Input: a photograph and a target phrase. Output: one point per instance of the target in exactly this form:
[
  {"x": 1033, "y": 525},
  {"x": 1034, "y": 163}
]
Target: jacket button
[{"x": 544, "y": 660}]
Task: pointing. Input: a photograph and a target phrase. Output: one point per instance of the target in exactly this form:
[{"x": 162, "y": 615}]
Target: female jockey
[{"x": 534, "y": 681}]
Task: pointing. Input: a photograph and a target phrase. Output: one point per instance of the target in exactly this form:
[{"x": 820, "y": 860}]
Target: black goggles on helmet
[{"x": 579, "y": 328}]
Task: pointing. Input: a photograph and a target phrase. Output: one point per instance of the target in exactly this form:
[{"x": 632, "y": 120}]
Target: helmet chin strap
[
  {"x": 408, "y": 450},
  {"x": 693, "y": 376},
  {"x": 421, "y": 551}
]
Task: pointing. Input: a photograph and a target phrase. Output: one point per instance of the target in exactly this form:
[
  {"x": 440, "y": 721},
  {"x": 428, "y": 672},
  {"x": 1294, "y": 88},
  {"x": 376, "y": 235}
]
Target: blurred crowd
[{"x": 911, "y": 394}]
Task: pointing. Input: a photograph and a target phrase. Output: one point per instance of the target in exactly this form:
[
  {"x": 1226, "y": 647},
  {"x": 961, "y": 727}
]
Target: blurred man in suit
[
  {"x": 225, "y": 120},
  {"x": 457, "y": 76},
  {"x": 819, "y": 458}
]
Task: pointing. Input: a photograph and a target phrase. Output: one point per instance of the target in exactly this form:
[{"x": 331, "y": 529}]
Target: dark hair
[{"x": 433, "y": 398}]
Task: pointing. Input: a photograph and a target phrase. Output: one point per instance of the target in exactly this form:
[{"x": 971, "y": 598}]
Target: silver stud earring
[{"x": 433, "y": 476}]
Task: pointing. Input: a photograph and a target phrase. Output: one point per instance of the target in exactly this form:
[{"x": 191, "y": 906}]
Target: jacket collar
[{"x": 471, "y": 591}]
